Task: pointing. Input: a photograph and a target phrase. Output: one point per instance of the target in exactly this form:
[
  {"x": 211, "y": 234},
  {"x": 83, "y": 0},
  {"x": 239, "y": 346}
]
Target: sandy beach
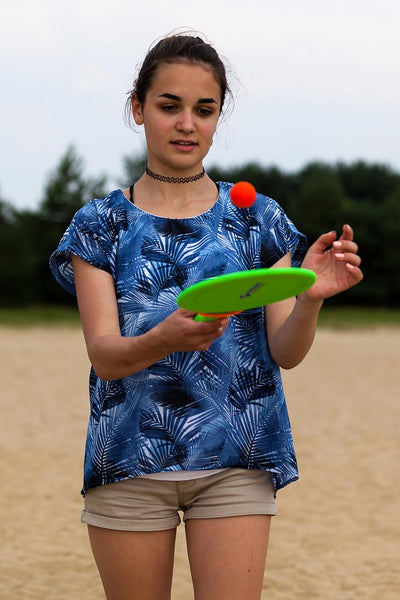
[{"x": 337, "y": 534}]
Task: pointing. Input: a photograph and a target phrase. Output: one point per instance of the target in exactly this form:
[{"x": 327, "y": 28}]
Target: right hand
[{"x": 179, "y": 332}]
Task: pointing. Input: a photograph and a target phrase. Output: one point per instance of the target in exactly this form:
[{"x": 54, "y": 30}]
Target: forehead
[{"x": 186, "y": 80}]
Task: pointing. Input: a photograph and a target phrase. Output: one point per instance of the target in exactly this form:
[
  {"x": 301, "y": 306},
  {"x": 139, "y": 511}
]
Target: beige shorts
[{"x": 142, "y": 504}]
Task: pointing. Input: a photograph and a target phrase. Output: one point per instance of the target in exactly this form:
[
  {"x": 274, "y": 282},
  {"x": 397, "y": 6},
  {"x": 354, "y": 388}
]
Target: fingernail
[
  {"x": 339, "y": 254},
  {"x": 337, "y": 244}
]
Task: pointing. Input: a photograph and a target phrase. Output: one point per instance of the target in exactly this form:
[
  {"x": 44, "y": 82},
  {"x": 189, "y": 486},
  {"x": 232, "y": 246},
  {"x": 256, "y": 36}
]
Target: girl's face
[{"x": 180, "y": 116}]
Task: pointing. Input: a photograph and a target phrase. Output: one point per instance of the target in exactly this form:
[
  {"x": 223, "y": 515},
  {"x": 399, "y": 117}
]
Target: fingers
[
  {"x": 346, "y": 251},
  {"x": 324, "y": 241},
  {"x": 355, "y": 272},
  {"x": 218, "y": 327},
  {"x": 208, "y": 332},
  {"x": 343, "y": 249},
  {"x": 210, "y": 326},
  {"x": 192, "y": 335},
  {"x": 347, "y": 233}
]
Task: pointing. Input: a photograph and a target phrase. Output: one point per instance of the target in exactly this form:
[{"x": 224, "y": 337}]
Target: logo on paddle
[{"x": 252, "y": 290}]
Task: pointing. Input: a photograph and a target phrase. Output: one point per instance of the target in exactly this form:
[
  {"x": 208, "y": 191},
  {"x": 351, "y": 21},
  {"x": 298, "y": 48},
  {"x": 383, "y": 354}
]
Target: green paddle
[{"x": 230, "y": 294}]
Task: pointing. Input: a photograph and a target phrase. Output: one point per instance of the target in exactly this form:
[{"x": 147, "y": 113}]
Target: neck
[
  {"x": 174, "y": 201},
  {"x": 166, "y": 179}
]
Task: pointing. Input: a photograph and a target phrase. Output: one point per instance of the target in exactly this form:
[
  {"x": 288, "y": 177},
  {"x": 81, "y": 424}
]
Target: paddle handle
[{"x": 204, "y": 318}]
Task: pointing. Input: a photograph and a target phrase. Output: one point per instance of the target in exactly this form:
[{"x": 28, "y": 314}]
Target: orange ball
[{"x": 243, "y": 194}]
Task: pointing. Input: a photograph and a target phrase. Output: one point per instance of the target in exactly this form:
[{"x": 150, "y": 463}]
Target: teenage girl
[{"x": 187, "y": 416}]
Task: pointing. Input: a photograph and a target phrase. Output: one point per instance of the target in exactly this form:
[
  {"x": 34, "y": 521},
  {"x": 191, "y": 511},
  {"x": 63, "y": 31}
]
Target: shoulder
[
  {"x": 111, "y": 203},
  {"x": 107, "y": 211}
]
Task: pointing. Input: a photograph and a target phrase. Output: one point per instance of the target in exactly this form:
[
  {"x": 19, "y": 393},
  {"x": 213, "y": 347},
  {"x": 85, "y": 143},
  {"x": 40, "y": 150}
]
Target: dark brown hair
[{"x": 178, "y": 48}]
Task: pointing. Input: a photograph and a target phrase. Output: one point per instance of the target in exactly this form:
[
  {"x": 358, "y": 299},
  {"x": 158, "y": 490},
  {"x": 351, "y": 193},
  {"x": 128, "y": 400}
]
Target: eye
[
  {"x": 204, "y": 111},
  {"x": 169, "y": 107}
]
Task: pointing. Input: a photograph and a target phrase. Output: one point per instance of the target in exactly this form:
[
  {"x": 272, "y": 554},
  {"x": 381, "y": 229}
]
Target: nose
[{"x": 186, "y": 122}]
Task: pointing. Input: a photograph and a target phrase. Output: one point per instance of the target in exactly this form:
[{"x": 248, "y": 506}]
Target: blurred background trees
[
  {"x": 28, "y": 237},
  {"x": 318, "y": 198}
]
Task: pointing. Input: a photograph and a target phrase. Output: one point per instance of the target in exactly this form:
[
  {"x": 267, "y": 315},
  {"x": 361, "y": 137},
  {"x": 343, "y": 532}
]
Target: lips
[{"x": 184, "y": 143}]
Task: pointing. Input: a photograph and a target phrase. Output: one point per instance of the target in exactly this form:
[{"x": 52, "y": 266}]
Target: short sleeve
[
  {"x": 280, "y": 236},
  {"x": 87, "y": 237}
]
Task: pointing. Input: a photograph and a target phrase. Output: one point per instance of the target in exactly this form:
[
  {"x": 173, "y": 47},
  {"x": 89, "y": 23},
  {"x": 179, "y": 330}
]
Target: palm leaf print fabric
[{"x": 224, "y": 407}]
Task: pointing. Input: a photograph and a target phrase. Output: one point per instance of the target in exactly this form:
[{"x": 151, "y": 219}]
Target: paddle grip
[{"x": 203, "y": 318}]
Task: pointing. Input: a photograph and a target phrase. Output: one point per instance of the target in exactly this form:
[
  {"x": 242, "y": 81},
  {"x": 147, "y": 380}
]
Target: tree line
[{"x": 318, "y": 198}]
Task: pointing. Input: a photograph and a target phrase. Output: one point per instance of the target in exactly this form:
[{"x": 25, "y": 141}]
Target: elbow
[
  {"x": 287, "y": 362},
  {"x": 104, "y": 373},
  {"x": 288, "y": 356},
  {"x": 104, "y": 367},
  {"x": 287, "y": 365},
  {"x": 111, "y": 372},
  {"x": 103, "y": 361}
]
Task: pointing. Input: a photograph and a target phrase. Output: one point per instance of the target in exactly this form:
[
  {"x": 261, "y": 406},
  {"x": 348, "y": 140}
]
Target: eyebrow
[{"x": 179, "y": 99}]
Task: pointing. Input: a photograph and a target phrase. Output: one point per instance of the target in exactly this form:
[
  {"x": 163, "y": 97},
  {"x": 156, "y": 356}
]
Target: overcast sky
[{"x": 318, "y": 80}]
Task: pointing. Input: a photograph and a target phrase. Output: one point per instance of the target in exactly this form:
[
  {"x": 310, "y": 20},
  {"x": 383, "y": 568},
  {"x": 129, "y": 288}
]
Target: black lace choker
[{"x": 175, "y": 179}]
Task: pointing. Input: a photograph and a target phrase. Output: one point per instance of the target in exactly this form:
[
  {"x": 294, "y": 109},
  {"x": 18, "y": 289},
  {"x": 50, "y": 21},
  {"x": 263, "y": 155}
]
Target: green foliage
[
  {"x": 27, "y": 238},
  {"x": 318, "y": 198},
  {"x": 38, "y": 315},
  {"x": 133, "y": 167},
  {"x": 319, "y": 201},
  {"x": 360, "y": 317}
]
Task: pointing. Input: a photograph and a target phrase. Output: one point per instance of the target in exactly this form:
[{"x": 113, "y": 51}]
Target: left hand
[{"x": 337, "y": 269}]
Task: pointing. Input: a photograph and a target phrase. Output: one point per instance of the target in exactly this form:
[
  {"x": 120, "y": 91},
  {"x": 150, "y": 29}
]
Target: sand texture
[{"x": 337, "y": 535}]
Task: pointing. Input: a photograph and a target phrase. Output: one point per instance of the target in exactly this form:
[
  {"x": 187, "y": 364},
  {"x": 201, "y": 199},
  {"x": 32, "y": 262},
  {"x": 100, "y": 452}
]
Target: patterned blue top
[{"x": 224, "y": 407}]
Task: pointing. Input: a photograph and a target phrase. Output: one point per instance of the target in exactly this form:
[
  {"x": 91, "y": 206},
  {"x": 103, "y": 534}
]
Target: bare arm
[
  {"x": 291, "y": 324},
  {"x": 114, "y": 356}
]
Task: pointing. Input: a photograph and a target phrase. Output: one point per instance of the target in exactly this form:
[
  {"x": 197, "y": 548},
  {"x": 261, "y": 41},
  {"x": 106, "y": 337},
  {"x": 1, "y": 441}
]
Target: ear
[{"x": 137, "y": 111}]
